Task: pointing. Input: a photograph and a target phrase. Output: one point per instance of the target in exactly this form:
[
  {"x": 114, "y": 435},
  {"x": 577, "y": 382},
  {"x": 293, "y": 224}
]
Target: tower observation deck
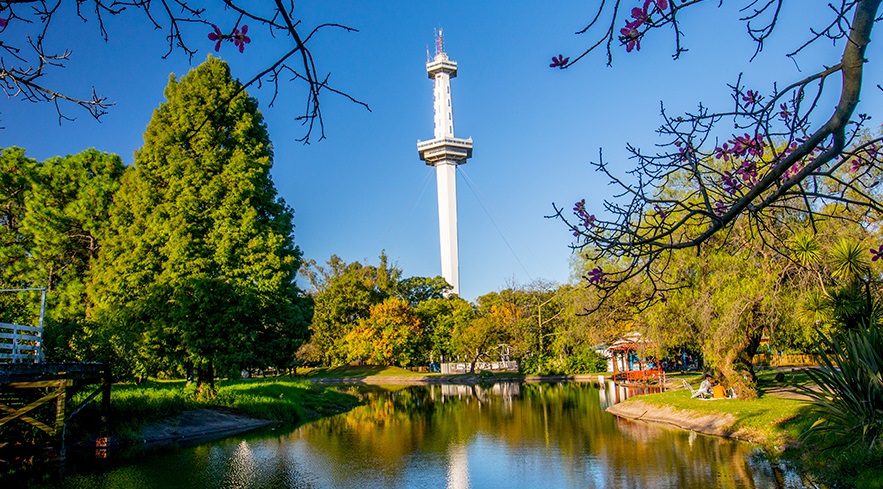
[{"x": 445, "y": 152}]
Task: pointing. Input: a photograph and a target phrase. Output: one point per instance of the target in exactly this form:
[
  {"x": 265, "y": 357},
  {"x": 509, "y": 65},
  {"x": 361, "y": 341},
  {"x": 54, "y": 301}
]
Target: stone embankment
[{"x": 720, "y": 424}]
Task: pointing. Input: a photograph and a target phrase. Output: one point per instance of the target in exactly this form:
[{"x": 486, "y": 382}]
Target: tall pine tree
[{"x": 201, "y": 264}]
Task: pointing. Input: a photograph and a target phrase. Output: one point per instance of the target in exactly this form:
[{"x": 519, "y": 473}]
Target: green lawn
[{"x": 772, "y": 422}]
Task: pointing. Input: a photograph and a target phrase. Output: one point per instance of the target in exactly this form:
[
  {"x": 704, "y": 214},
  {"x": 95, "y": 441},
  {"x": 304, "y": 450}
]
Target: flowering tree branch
[
  {"x": 778, "y": 164},
  {"x": 24, "y": 63}
]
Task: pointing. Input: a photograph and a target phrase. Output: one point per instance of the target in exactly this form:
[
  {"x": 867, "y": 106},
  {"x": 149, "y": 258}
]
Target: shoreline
[
  {"x": 708, "y": 424},
  {"x": 201, "y": 425},
  {"x": 208, "y": 424},
  {"x": 452, "y": 379},
  {"x": 198, "y": 426}
]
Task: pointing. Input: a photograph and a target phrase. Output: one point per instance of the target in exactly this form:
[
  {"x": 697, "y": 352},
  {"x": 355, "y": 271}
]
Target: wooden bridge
[{"x": 36, "y": 393}]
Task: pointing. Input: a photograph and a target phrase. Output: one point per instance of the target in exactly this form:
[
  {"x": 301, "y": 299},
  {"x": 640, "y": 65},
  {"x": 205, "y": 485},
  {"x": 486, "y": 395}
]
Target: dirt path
[{"x": 199, "y": 426}]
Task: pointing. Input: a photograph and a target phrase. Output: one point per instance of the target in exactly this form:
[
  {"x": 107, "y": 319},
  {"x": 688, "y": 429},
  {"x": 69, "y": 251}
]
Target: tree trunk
[{"x": 205, "y": 379}]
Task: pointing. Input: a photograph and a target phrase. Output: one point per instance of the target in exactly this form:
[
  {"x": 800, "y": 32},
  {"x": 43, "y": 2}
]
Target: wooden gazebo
[{"x": 644, "y": 374}]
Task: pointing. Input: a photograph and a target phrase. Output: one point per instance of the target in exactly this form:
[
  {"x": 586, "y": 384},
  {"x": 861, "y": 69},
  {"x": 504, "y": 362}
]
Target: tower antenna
[{"x": 439, "y": 42}]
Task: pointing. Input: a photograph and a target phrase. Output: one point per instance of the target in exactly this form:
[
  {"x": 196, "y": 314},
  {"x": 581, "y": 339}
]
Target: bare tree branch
[
  {"x": 694, "y": 187},
  {"x": 23, "y": 63}
]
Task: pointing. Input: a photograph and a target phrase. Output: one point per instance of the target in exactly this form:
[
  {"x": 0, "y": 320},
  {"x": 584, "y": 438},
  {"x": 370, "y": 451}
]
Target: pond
[{"x": 506, "y": 435}]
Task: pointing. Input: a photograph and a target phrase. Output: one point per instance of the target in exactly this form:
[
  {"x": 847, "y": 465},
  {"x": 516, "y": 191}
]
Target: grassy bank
[
  {"x": 772, "y": 422},
  {"x": 779, "y": 424},
  {"x": 277, "y": 399}
]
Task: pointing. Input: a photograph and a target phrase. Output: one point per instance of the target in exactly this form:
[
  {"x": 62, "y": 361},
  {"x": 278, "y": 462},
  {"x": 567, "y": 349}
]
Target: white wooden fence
[
  {"x": 20, "y": 344},
  {"x": 462, "y": 368}
]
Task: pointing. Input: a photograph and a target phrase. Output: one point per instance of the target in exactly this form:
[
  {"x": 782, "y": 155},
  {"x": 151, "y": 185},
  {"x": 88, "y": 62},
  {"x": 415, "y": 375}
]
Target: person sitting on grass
[
  {"x": 718, "y": 392},
  {"x": 704, "y": 388}
]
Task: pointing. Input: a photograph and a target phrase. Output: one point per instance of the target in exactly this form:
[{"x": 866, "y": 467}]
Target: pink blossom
[
  {"x": 751, "y": 97},
  {"x": 722, "y": 153},
  {"x": 240, "y": 39},
  {"x": 784, "y": 113},
  {"x": 596, "y": 275},
  {"x": 218, "y": 36},
  {"x": 877, "y": 254},
  {"x": 641, "y": 17},
  {"x": 559, "y": 62},
  {"x": 4, "y": 23},
  {"x": 579, "y": 209},
  {"x": 720, "y": 208},
  {"x": 661, "y": 4},
  {"x": 631, "y": 37},
  {"x": 661, "y": 213},
  {"x": 793, "y": 171},
  {"x": 687, "y": 151},
  {"x": 748, "y": 171},
  {"x": 731, "y": 183},
  {"x": 856, "y": 164}
]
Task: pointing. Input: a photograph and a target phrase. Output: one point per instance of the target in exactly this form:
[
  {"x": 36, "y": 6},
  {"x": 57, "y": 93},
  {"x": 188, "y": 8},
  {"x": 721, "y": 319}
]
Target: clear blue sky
[{"x": 364, "y": 189}]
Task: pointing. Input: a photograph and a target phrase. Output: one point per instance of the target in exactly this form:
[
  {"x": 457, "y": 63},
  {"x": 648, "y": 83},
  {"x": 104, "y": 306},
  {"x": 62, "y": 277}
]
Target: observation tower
[{"x": 445, "y": 152}]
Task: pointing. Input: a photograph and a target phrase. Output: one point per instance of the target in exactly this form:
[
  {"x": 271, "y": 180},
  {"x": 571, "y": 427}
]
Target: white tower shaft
[
  {"x": 445, "y": 152},
  {"x": 446, "y": 179},
  {"x": 444, "y": 112}
]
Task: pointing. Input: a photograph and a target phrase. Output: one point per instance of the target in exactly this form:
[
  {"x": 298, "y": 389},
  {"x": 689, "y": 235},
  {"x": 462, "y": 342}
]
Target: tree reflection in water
[{"x": 461, "y": 436}]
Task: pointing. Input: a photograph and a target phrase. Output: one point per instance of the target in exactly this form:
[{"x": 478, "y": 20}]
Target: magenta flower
[
  {"x": 687, "y": 150},
  {"x": 793, "y": 171},
  {"x": 746, "y": 145},
  {"x": 722, "y": 153},
  {"x": 720, "y": 208},
  {"x": 661, "y": 4},
  {"x": 579, "y": 209},
  {"x": 240, "y": 39},
  {"x": 559, "y": 62},
  {"x": 731, "y": 183},
  {"x": 641, "y": 17},
  {"x": 630, "y": 36},
  {"x": 596, "y": 275},
  {"x": 218, "y": 36},
  {"x": 751, "y": 97},
  {"x": 784, "y": 113},
  {"x": 661, "y": 213},
  {"x": 748, "y": 171},
  {"x": 4, "y": 23},
  {"x": 877, "y": 254}
]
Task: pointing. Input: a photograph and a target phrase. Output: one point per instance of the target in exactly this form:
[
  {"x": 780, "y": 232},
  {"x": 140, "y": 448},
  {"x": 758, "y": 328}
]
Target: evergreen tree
[
  {"x": 53, "y": 214},
  {"x": 200, "y": 267},
  {"x": 16, "y": 175}
]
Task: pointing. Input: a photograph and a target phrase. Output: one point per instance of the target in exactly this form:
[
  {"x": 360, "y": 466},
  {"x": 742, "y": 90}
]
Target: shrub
[{"x": 850, "y": 399}]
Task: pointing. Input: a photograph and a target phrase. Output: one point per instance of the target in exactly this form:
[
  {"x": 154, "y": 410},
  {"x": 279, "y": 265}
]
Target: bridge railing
[{"x": 20, "y": 344}]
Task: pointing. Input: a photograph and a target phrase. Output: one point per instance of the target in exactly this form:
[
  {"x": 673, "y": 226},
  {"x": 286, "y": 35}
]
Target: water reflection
[{"x": 506, "y": 435}]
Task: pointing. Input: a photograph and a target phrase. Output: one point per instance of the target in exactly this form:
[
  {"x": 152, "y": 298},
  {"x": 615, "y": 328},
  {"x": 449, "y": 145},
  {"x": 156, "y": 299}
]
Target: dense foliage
[
  {"x": 184, "y": 259},
  {"x": 200, "y": 267}
]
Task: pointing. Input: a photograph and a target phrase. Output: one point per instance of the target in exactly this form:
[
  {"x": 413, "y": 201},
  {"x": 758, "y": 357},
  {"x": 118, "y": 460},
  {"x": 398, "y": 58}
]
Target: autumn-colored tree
[
  {"x": 392, "y": 334},
  {"x": 345, "y": 293},
  {"x": 492, "y": 328}
]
